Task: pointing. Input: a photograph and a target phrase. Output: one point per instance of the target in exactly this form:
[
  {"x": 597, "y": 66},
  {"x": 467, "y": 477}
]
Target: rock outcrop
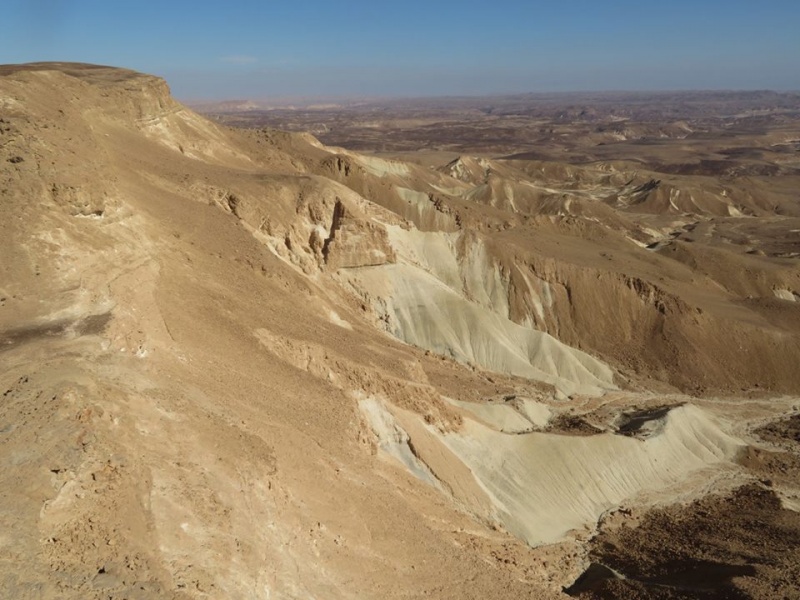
[{"x": 240, "y": 364}]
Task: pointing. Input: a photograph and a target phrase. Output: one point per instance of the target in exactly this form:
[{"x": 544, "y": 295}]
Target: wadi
[{"x": 432, "y": 361}]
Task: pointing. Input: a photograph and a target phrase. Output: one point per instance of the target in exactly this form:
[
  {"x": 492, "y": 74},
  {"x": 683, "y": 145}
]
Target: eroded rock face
[
  {"x": 355, "y": 242},
  {"x": 200, "y": 398}
]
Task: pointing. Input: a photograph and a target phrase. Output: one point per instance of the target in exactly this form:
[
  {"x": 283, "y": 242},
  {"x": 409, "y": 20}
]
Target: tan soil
[{"x": 237, "y": 364}]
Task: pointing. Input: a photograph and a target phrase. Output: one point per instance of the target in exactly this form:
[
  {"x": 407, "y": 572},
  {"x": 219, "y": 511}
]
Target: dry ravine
[{"x": 242, "y": 364}]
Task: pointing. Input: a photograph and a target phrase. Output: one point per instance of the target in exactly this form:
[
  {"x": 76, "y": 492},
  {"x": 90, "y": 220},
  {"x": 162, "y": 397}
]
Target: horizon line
[{"x": 385, "y": 97}]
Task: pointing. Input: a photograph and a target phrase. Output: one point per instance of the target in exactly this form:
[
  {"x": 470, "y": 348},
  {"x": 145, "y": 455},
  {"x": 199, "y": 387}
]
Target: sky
[{"x": 248, "y": 49}]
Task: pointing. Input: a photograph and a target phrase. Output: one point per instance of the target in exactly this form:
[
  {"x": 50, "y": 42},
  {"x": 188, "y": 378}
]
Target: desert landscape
[{"x": 525, "y": 346}]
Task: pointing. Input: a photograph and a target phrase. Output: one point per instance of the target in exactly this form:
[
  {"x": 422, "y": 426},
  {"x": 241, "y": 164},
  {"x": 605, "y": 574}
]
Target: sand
[{"x": 240, "y": 364}]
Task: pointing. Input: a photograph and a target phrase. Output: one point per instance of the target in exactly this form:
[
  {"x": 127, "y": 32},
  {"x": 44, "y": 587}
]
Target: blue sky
[{"x": 249, "y": 49}]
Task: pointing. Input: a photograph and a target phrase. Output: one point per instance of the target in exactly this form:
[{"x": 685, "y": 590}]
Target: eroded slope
[{"x": 241, "y": 364}]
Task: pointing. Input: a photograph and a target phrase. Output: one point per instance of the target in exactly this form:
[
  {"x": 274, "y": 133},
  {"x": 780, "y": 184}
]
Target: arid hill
[{"x": 241, "y": 364}]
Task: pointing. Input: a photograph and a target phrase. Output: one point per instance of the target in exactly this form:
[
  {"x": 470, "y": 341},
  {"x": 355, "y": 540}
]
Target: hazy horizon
[
  {"x": 265, "y": 50},
  {"x": 310, "y": 101}
]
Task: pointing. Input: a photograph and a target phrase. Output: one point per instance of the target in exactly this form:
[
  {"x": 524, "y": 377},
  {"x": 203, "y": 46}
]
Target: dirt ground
[{"x": 237, "y": 363}]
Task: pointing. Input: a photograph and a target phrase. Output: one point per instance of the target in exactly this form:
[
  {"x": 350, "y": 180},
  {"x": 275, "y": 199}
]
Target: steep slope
[
  {"x": 241, "y": 364},
  {"x": 155, "y": 443},
  {"x": 615, "y": 288}
]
